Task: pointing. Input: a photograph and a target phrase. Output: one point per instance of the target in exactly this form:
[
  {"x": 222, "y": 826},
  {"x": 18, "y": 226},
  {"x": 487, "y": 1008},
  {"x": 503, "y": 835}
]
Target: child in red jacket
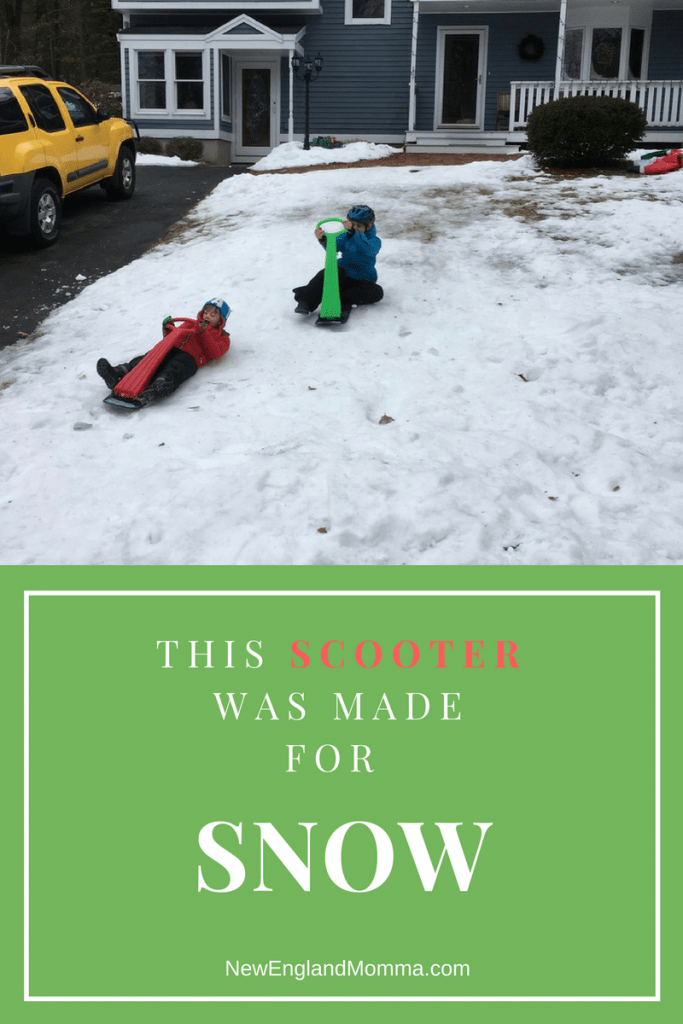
[{"x": 187, "y": 345}]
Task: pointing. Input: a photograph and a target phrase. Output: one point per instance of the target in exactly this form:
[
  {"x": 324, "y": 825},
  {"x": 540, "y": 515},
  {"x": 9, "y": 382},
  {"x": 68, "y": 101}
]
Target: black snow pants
[
  {"x": 176, "y": 368},
  {"x": 353, "y": 291}
]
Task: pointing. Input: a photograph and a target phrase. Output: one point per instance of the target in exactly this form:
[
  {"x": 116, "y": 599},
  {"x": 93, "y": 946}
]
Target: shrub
[
  {"x": 584, "y": 131},
  {"x": 185, "y": 148},
  {"x": 146, "y": 144}
]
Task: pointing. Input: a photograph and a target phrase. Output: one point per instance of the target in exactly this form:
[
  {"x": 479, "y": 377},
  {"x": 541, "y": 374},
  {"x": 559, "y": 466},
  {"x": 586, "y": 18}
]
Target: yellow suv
[{"x": 53, "y": 142}]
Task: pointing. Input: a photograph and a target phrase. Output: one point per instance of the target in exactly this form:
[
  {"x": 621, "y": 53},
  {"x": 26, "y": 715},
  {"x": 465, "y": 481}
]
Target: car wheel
[
  {"x": 122, "y": 185},
  {"x": 46, "y": 212}
]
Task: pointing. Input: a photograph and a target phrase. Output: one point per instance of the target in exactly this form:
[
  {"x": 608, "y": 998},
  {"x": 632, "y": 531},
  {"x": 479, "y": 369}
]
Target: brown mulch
[{"x": 400, "y": 159}]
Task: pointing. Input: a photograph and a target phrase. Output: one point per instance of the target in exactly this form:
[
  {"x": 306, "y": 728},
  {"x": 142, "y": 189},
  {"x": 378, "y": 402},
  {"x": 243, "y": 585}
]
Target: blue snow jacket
[{"x": 358, "y": 253}]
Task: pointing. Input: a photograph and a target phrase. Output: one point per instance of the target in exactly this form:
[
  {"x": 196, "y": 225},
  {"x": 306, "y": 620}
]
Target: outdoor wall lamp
[{"x": 312, "y": 69}]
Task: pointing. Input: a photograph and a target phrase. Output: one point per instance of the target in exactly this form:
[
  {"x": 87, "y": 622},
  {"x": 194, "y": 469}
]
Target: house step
[
  {"x": 460, "y": 142},
  {"x": 458, "y": 147}
]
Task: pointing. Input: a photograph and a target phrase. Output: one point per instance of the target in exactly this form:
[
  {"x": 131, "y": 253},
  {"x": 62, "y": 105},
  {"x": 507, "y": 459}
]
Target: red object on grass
[{"x": 671, "y": 162}]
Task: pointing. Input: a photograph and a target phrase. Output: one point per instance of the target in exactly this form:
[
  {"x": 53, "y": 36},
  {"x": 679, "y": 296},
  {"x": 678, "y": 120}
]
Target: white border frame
[{"x": 351, "y": 593}]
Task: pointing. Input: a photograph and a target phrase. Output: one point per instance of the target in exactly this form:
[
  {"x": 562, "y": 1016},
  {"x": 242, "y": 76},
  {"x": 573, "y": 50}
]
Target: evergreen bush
[
  {"x": 185, "y": 148},
  {"x": 584, "y": 131},
  {"x": 146, "y": 144}
]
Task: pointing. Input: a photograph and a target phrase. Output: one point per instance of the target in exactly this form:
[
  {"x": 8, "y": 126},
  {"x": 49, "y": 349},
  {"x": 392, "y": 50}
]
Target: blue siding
[
  {"x": 175, "y": 124},
  {"x": 666, "y": 45},
  {"x": 363, "y": 87},
  {"x": 504, "y": 65},
  {"x": 212, "y": 98}
]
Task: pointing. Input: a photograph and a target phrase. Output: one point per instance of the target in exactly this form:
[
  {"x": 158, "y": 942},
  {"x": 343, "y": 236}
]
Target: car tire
[
  {"x": 122, "y": 184},
  {"x": 46, "y": 212}
]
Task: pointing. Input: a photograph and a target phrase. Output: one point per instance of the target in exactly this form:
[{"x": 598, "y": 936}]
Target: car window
[
  {"x": 12, "y": 118},
  {"x": 43, "y": 107},
  {"x": 80, "y": 111}
]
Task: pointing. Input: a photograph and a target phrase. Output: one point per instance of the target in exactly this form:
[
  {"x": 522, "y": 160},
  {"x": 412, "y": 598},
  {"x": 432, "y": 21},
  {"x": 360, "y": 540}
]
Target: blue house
[{"x": 430, "y": 75}]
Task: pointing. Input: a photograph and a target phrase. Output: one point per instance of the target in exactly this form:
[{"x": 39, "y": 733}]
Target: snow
[
  {"x": 152, "y": 160},
  {"x": 293, "y": 154},
  {"x": 527, "y": 351}
]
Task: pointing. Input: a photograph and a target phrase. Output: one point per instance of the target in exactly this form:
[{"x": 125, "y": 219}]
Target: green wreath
[{"x": 531, "y": 48}]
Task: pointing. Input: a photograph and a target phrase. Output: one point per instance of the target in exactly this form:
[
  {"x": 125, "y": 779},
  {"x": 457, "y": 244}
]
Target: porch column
[
  {"x": 413, "y": 65},
  {"x": 217, "y": 60},
  {"x": 560, "y": 47},
  {"x": 290, "y": 123}
]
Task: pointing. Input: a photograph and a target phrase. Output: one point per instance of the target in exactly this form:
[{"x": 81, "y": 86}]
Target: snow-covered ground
[{"x": 527, "y": 352}]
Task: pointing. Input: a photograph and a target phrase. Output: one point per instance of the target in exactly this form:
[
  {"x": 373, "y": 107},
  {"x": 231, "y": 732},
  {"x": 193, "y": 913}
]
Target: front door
[
  {"x": 460, "y": 74},
  {"x": 91, "y": 136},
  {"x": 257, "y": 122}
]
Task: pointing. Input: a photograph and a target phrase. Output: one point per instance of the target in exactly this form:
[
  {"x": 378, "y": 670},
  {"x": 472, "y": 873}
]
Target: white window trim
[
  {"x": 135, "y": 82},
  {"x": 350, "y": 20},
  {"x": 170, "y": 110}
]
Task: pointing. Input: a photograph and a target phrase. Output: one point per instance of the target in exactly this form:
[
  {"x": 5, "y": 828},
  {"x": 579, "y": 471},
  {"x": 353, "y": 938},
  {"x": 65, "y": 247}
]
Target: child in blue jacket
[{"x": 357, "y": 274}]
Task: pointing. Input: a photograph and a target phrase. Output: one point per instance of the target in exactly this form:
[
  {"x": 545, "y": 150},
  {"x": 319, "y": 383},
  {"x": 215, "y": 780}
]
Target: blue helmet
[
  {"x": 364, "y": 214},
  {"x": 221, "y": 305}
]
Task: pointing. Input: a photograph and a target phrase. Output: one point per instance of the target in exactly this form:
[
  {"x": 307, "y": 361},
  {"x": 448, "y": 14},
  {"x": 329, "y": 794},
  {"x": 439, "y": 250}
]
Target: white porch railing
[{"x": 661, "y": 101}]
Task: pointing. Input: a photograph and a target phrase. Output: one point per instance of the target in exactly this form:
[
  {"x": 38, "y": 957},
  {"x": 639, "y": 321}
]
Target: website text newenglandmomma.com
[{"x": 346, "y": 968}]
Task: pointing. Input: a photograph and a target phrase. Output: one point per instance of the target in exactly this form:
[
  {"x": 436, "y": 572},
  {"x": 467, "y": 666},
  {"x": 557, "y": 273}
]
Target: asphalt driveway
[{"x": 97, "y": 238}]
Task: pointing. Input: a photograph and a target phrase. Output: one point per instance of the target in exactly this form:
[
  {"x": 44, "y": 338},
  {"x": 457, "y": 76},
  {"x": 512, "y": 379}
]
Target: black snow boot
[
  {"x": 303, "y": 308},
  {"x": 160, "y": 387},
  {"x": 111, "y": 375}
]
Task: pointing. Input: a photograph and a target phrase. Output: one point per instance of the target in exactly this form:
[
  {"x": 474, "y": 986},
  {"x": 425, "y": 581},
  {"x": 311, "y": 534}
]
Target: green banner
[{"x": 260, "y": 791}]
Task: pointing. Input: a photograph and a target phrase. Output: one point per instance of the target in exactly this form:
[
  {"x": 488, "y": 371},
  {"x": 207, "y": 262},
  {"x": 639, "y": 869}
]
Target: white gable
[{"x": 244, "y": 26}]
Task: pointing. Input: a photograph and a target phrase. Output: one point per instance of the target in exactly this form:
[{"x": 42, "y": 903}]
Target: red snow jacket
[{"x": 195, "y": 337}]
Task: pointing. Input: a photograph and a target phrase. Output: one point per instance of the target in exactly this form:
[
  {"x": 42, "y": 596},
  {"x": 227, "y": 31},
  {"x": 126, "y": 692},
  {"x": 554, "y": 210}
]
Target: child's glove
[{"x": 167, "y": 324}]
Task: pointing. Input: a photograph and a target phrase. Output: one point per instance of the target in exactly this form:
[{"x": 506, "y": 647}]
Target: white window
[
  {"x": 573, "y": 51},
  {"x": 189, "y": 81},
  {"x": 367, "y": 12},
  {"x": 151, "y": 80},
  {"x": 605, "y": 53},
  {"x": 170, "y": 81},
  {"x": 600, "y": 54},
  {"x": 226, "y": 109},
  {"x": 636, "y": 54}
]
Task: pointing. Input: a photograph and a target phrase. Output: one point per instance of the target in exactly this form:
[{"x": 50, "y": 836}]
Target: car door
[
  {"x": 56, "y": 138},
  {"x": 91, "y": 136}
]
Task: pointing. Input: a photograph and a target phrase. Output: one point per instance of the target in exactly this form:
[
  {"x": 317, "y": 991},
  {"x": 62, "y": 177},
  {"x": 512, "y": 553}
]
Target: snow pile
[
  {"x": 293, "y": 154},
  {"x": 516, "y": 398},
  {"x": 154, "y": 160}
]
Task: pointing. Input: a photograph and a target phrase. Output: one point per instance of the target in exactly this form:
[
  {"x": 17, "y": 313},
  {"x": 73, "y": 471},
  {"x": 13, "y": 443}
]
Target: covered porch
[
  {"x": 629, "y": 49},
  {"x": 661, "y": 101}
]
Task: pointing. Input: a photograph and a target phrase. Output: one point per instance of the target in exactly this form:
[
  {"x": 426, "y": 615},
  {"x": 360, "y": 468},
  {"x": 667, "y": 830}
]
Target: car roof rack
[{"x": 23, "y": 71}]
